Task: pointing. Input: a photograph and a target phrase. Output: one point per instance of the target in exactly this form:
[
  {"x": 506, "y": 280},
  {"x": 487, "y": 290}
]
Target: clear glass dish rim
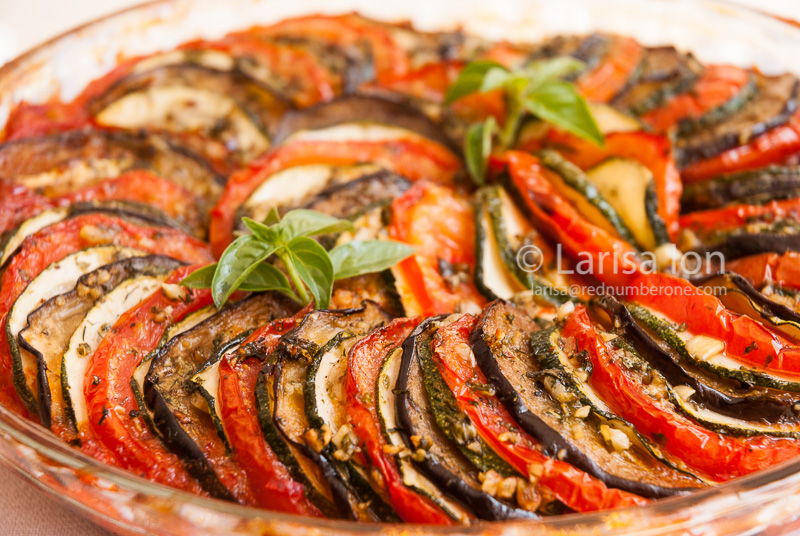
[{"x": 692, "y": 508}]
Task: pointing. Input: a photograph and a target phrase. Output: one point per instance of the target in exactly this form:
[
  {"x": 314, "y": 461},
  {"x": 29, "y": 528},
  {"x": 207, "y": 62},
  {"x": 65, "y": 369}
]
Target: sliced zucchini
[
  {"x": 610, "y": 120},
  {"x": 629, "y": 188},
  {"x": 56, "y": 279},
  {"x": 709, "y": 353},
  {"x": 748, "y": 92},
  {"x": 770, "y": 183},
  {"x": 12, "y": 239},
  {"x": 180, "y": 413},
  {"x": 541, "y": 402},
  {"x": 501, "y": 230},
  {"x": 412, "y": 478},
  {"x": 91, "y": 331},
  {"x": 573, "y": 184}
]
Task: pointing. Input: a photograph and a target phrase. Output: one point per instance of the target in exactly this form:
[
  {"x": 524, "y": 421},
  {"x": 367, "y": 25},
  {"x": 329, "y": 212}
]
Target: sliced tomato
[
  {"x": 271, "y": 484},
  {"x": 439, "y": 223},
  {"x": 413, "y": 157},
  {"x": 114, "y": 416},
  {"x": 716, "y": 456},
  {"x": 716, "y": 86},
  {"x": 782, "y": 269},
  {"x": 705, "y": 222},
  {"x": 17, "y": 203},
  {"x": 745, "y": 340},
  {"x": 651, "y": 150},
  {"x": 364, "y": 364},
  {"x": 573, "y": 487},
  {"x": 53, "y": 243},
  {"x": 611, "y": 260},
  {"x": 771, "y": 147},
  {"x": 610, "y": 77}
]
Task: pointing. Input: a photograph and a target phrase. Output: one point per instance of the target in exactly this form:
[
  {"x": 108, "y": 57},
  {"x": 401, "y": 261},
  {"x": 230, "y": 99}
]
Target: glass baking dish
[{"x": 716, "y": 31}]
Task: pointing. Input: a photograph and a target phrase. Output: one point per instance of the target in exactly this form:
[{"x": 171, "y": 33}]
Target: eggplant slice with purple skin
[
  {"x": 772, "y": 183},
  {"x": 533, "y": 395},
  {"x": 170, "y": 394},
  {"x": 444, "y": 464},
  {"x": 772, "y": 106},
  {"x": 723, "y": 396},
  {"x": 779, "y": 237}
]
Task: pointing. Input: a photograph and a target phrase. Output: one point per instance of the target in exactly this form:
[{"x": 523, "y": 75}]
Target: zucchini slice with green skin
[
  {"x": 629, "y": 188},
  {"x": 542, "y": 404},
  {"x": 324, "y": 393},
  {"x": 772, "y": 106},
  {"x": 500, "y": 231},
  {"x": 444, "y": 463},
  {"x": 56, "y": 279},
  {"x": 573, "y": 183},
  {"x": 412, "y": 478},
  {"x": 186, "y": 428},
  {"x": 723, "y": 396},
  {"x": 688, "y": 125},
  {"x": 708, "y": 353},
  {"x": 772, "y": 183},
  {"x": 11, "y": 240},
  {"x": 92, "y": 329}
]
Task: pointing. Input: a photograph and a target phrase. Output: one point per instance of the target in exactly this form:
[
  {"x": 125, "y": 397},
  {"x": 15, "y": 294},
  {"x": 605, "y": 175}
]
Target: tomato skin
[
  {"x": 653, "y": 151},
  {"x": 573, "y": 487},
  {"x": 614, "y": 261},
  {"x": 771, "y": 147},
  {"x": 716, "y": 456},
  {"x": 705, "y": 222},
  {"x": 783, "y": 269},
  {"x": 364, "y": 364},
  {"x": 113, "y": 413},
  {"x": 18, "y": 203},
  {"x": 717, "y": 85},
  {"x": 611, "y": 76},
  {"x": 53, "y": 243},
  {"x": 704, "y": 314},
  {"x": 414, "y": 158}
]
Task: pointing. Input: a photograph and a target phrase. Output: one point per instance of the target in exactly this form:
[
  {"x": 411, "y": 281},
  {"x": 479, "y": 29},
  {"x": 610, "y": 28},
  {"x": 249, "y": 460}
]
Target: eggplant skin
[
  {"x": 360, "y": 109},
  {"x": 738, "y": 245},
  {"x": 482, "y": 504},
  {"x": 553, "y": 444},
  {"x": 751, "y": 187},
  {"x": 748, "y": 407}
]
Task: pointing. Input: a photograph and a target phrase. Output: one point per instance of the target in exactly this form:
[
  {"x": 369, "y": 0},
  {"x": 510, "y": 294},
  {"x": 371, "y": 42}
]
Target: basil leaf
[
  {"x": 265, "y": 277},
  {"x": 240, "y": 258},
  {"x": 478, "y": 147},
  {"x": 200, "y": 278},
  {"x": 539, "y": 72},
  {"x": 367, "y": 256},
  {"x": 495, "y": 78},
  {"x": 302, "y": 222},
  {"x": 313, "y": 265},
  {"x": 470, "y": 80},
  {"x": 273, "y": 217},
  {"x": 263, "y": 232},
  {"x": 561, "y": 104}
]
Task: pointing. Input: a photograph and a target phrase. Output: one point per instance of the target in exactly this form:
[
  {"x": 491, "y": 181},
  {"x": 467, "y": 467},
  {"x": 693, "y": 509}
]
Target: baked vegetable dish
[{"x": 342, "y": 268}]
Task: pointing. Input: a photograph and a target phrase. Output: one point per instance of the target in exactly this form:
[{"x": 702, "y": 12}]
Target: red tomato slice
[
  {"x": 573, "y": 487},
  {"x": 706, "y": 222},
  {"x": 717, "y": 456},
  {"x": 53, "y": 243},
  {"x": 783, "y": 269},
  {"x": 610, "y": 77}
]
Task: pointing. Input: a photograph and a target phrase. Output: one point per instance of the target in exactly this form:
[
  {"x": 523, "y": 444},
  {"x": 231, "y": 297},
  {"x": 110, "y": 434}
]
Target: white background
[{"x": 24, "y": 24}]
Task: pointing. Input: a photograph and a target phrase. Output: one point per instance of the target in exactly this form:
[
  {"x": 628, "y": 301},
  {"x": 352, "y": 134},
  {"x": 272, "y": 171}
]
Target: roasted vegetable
[{"x": 771, "y": 183}]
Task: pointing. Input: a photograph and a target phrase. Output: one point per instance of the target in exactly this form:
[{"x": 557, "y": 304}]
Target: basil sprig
[
  {"x": 537, "y": 89},
  {"x": 281, "y": 255}
]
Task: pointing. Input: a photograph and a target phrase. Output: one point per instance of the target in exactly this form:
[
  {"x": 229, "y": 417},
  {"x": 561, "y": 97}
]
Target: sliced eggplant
[
  {"x": 228, "y": 107},
  {"x": 54, "y": 280},
  {"x": 725, "y": 397},
  {"x": 354, "y": 198},
  {"x": 589, "y": 49},
  {"x": 501, "y": 230},
  {"x": 186, "y": 428},
  {"x": 444, "y": 464},
  {"x": 761, "y": 237},
  {"x": 573, "y": 184},
  {"x": 629, "y": 188},
  {"x": 774, "y": 104},
  {"x": 361, "y": 112},
  {"x": 94, "y": 326},
  {"x": 62, "y": 163},
  {"x": 771, "y": 183},
  {"x": 709, "y": 353},
  {"x": 666, "y": 72},
  {"x": 540, "y": 402}
]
